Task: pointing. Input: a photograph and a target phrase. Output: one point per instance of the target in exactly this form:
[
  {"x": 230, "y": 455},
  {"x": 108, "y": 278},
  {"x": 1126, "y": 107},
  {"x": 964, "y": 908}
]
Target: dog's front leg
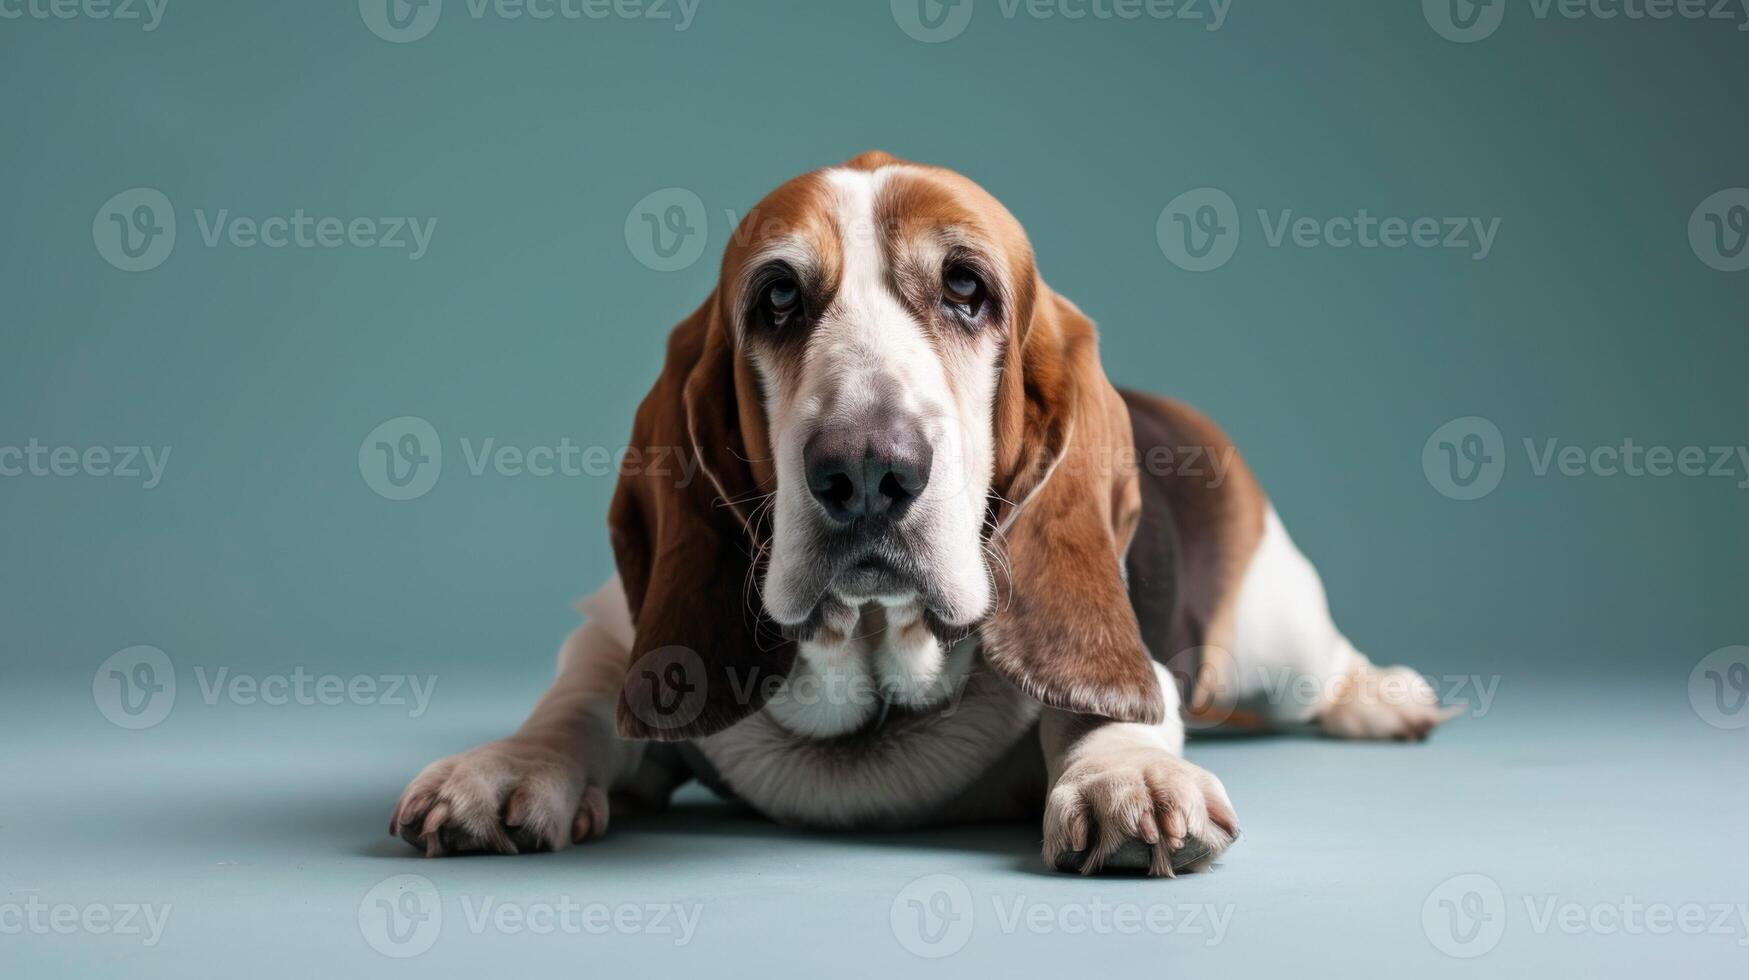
[
  {"x": 545, "y": 787},
  {"x": 1122, "y": 795}
]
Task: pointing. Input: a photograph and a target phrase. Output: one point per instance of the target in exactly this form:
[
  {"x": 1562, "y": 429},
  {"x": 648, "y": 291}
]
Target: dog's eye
[
  {"x": 781, "y": 299},
  {"x": 962, "y": 287}
]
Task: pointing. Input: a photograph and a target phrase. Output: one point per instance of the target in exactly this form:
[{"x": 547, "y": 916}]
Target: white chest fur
[
  {"x": 950, "y": 720},
  {"x": 863, "y": 664},
  {"x": 894, "y": 772}
]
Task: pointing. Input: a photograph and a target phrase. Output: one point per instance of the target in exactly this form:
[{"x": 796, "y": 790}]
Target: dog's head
[{"x": 890, "y": 408}]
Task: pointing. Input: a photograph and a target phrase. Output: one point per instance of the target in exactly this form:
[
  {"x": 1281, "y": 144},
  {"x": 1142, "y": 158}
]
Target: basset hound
[{"x": 938, "y": 568}]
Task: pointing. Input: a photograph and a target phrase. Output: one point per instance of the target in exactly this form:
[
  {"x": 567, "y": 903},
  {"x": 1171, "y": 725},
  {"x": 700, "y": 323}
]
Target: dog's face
[
  {"x": 874, "y": 306},
  {"x": 903, "y": 431}
]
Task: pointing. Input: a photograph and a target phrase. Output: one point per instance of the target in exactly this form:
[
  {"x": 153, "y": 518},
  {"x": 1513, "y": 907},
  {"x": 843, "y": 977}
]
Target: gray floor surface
[{"x": 1586, "y": 829}]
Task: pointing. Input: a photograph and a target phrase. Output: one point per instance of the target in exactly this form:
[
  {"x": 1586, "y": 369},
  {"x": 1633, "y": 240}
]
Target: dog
[{"x": 937, "y": 568}]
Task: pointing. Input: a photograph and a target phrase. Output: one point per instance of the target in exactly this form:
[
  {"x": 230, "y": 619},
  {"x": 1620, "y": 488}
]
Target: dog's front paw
[
  {"x": 504, "y": 797},
  {"x": 1141, "y": 809},
  {"x": 1384, "y": 703}
]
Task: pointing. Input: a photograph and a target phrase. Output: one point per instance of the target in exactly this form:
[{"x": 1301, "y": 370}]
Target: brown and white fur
[{"x": 1015, "y": 637}]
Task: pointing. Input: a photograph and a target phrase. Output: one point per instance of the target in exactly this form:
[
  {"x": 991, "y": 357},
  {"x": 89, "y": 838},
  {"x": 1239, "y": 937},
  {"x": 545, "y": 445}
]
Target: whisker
[{"x": 750, "y": 497}]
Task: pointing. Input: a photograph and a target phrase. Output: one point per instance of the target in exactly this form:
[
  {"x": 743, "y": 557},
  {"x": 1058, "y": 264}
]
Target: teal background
[{"x": 531, "y": 321}]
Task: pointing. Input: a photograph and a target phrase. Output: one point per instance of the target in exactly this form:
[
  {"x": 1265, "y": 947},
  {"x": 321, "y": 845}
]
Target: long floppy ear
[
  {"x": 704, "y": 655},
  {"x": 1067, "y": 505}
]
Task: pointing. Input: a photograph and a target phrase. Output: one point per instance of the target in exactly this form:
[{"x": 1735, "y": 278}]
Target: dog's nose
[{"x": 856, "y": 473}]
